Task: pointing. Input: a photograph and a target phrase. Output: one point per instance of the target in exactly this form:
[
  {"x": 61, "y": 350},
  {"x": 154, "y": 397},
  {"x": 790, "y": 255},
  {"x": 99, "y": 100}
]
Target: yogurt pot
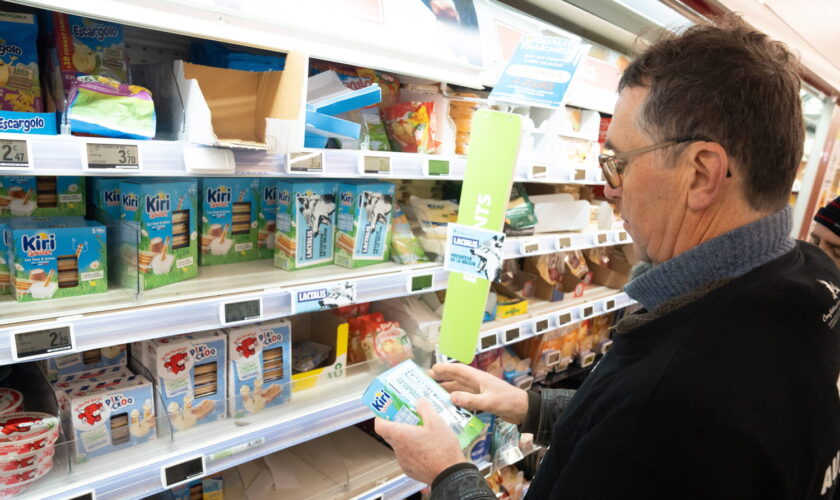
[
  {"x": 11, "y": 463},
  {"x": 11, "y": 401},
  {"x": 16, "y": 482}
]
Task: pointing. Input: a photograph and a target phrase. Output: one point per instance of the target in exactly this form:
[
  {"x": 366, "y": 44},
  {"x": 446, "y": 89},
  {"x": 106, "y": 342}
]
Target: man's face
[
  {"x": 652, "y": 195},
  {"x": 829, "y": 242}
]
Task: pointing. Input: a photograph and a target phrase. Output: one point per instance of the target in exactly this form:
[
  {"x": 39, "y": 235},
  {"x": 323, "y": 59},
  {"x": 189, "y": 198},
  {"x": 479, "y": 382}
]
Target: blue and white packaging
[
  {"x": 474, "y": 251},
  {"x": 5, "y": 275},
  {"x": 189, "y": 371},
  {"x": 229, "y": 207},
  {"x": 104, "y": 420},
  {"x": 105, "y": 197},
  {"x": 267, "y": 217},
  {"x": 260, "y": 367},
  {"x": 306, "y": 215},
  {"x": 83, "y": 362},
  {"x": 364, "y": 223}
]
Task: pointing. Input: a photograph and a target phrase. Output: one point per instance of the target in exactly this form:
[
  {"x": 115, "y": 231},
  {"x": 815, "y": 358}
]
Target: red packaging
[{"x": 11, "y": 401}]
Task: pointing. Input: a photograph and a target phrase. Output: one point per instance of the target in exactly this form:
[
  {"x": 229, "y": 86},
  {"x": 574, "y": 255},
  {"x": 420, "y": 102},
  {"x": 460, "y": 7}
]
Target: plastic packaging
[
  {"x": 102, "y": 106},
  {"x": 308, "y": 355},
  {"x": 411, "y": 126},
  {"x": 405, "y": 247},
  {"x": 520, "y": 217}
]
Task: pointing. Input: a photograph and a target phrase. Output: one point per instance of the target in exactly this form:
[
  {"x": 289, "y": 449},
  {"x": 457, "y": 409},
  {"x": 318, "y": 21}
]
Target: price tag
[
  {"x": 175, "y": 474},
  {"x": 539, "y": 172},
  {"x": 552, "y": 358},
  {"x": 610, "y": 305},
  {"x": 605, "y": 346},
  {"x": 233, "y": 450},
  {"x": 622, "y": 236},
  {"x": 587, "y": 359},
  {"x": 511, "y": 335},
  {"x": 108, "y": 156},
  {"x": 375, "y": 165},
  {"x": 310, "y": 162},
  {"x": 489, "y": 341},
  {"x": 541, "y": 326},
  {"x": 563, "y": 243},
  {"x": 564, "y": 318},
  {"x": 530, "y": 247},
  {"x": 88, "y": 495},
  {"x": 243, "y": 311},
  {"x": 15, "y": 153},
  {"x": 601, "y": 239},
  {"x": 588, "y": 311},
  {"x": 420, "y": 282},
  {"x": 437, "y": 168},
  {"x": 44, "y": 342},
  {"x": 580, "y": 174}
]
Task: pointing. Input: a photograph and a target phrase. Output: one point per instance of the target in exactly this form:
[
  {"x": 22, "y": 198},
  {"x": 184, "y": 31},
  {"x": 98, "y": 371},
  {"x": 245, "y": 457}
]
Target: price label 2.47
[
  {"x": 14, "y": 153},
  {"x": 108, "y": 156}
]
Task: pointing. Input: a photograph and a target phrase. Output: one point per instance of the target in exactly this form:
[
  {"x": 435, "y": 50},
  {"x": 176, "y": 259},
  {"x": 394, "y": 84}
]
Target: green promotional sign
[{"x": 491, "y": 161}]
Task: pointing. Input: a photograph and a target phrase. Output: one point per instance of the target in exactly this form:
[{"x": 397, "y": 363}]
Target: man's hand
[
  {"x": 476, "y": 390},
  {"x": 423, "y": 451}
]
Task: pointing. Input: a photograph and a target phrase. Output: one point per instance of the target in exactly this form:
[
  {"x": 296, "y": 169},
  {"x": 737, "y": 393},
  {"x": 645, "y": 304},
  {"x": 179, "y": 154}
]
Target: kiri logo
[
  {"x": 111, "y": 197},
  {"x": 24, "y": 125},
  {"x": 117, "y": 401},
  {"x": 158, "y": 205},
  {"x": 10, "y": 49},
  {"x": 38, "y": 244},
  {"x": 311, "y": 295},
  {"x": 347, "y": 199},
  {"x": 203, "y": 351},
  {"x": 129, "y": 201},
  {"x": 218, "y": 197},
  {"x": 464, "y": 242},
  {"x": 381, "y": 401},
  {"x": 98, "y": 32},
  {"x": 284, "y": 197},
  {"x": 270, "y": 196}
]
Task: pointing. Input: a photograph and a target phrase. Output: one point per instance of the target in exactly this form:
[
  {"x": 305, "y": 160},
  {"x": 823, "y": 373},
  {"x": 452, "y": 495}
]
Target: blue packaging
[
  {"x": 5, "y": 276},
  {"x": 41, "y": 196},
  {"x": 267, "y": 217},
  {"x": 229, "y": 227},
  {"x": 105, "y": 197},
  {"x": 189, "y": 371},
  {"x": 260, "y": 367},
  {"x": 364, "y": 223},
  {"x": 20, "y": 84},
  {"x": 481, "y": 451},
  {"x": 92, "y": 360},
  {"x": 306, "y": 215}
]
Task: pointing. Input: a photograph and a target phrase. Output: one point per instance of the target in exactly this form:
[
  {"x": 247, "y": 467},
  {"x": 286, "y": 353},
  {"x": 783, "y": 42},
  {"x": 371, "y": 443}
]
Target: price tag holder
[
  {"x": 15, "y": 153},
  {"x": 564, "y": 318},
  {"x": 580, "y": 174},
  {"x": 622, "y": 236},
  {"x": 587, "y": 359},
  {"x": 489, "y": 341},
  {"x": 375, "y": 166},
  {"x": 88, "y": 495},
  {"x": 587, "y": 311},
  {"x": 240, "y": 312},
  {"x": 601, "y": 239},
  {"x": 605, "y": 346},
  {"x": 609, "y": 305},
  {"x": 530, "y": 247},
  {"x": 42, "y": 342},
  {"x": 512, "y": 335},
  {"x": 541, "y": 325},
  {"x": 233, "y": 450},
  {"x": 539, "y": 172},
  {"x": 107, "y": 156},
  {"x": 436, "y": 168},
  {"x": 310, "y": 162},
  {"x": 181, "y": 472},
  {"x": 419, "y": 283},
  {"x": 201, "y": 159},
  {"x": 563, "y": 243}
]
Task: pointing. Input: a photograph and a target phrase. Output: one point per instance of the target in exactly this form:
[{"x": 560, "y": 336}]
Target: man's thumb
[{"x": 426, "y": 411}]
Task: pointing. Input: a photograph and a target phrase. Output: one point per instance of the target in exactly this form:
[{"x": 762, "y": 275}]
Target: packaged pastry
[
  {"x": 461, "y": 113},
  {"x": 260, "y": 367},
  {"x": 105, "y": 196},
  {"x": 106, "y": 107},
  {"x": 20, "y": 83},
  {"x": 55, "y": 257},
  {"x": 87, "y": 364},
  {"x": 267, "y": 217},
  {"x": 11, "y": 401},
  {"x": 165, "y": 213},
  {"x": 490, "y": 362},
  {"x": 364, "y": 223},
  {"x": 309, "y": 355},
  {"x": 229, "y": 227},
  {"x": 405, "y": 247},
  {"x": 306, "y": 218},
  {"x": 411, "y": 127},
  {"x": 189, "y": 371},
  {"x": 42, "y": 196}
]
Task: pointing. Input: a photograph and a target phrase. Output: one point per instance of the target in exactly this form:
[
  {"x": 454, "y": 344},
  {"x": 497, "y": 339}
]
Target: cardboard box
[
  {"x": 545, "y": 289},
  {"x": 323, "y": 328},
  {"x": 260, "y": 367},
  {"x": 227, "y": 107},
  {"x": 364, "y": 223},
  {"x": 229, "y": 208},
  {"x": 55, "y": 257},
  {"x": 165, "y": 214},
  {"x": 616, "y": 275},
  {"x": 104, "y": 198},
  {"x": 104, "y": 420},
  {"x": 306, "y": 217},
  {"x": 41, "y": 196},
  {"x": 267, "y": 217},
  {"x": 84, "y": 363}
]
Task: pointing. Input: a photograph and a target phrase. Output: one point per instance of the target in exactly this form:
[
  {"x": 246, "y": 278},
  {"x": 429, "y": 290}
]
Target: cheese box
[
  {"x": 305, "y": 232},
  {"x": 267, "y": 217},
  {"x": 260, "y": 367},
  {"x": 41, "y": 196},
  {"x": 364, "y": 223},
  {"x": 105, "y": 198},
  {"x": 87, "y": 364},
  {"x": 229, "y": 227},
  {"x": 5, "y": 275}
]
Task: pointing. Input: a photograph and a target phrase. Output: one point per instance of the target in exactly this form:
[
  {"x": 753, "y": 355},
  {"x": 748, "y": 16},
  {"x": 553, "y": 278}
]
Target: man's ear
[{"x": 709, "y": 164}]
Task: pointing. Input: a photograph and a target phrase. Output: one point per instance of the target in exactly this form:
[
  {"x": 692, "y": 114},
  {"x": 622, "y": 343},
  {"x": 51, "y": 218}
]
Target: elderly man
[{"x": 727, "y": 383}]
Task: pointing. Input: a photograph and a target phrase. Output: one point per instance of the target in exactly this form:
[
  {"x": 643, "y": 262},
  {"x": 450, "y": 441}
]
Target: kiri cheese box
[
  {"x": 116, "y": 415},
  {"x": 306, "y": 215},
  {"x": 41, "y": 196},
  {"x": 92, "y": 360},
  {"x": 267, "y": 217},
  {"x": 364, "y": 223},
  {"x": 189, "y": 371},
  {"x": 5, "y": 275},
  {"x": 105, "y": 197},
  {"x": 260, "y": 366},
  {"x": 229, "y": 227},
  {"x": 393, "y": 396},
  {"x": 56, "y": 257},
  {"x": 165, "y": 214}
]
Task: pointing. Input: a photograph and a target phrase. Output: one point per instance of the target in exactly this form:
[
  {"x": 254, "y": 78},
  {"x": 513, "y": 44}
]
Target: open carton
[
  {"x": 617, "y": 273},
  {"x": 327, "y": 329},
  {"x": 245, "y": 109}
]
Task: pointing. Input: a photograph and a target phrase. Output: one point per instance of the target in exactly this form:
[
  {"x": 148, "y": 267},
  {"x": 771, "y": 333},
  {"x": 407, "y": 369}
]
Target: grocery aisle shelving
[{"x": 538, "y": 244}]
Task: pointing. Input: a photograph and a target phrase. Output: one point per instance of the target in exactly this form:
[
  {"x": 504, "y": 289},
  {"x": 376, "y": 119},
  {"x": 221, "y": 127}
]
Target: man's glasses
[{"x": 613, "y": 165}]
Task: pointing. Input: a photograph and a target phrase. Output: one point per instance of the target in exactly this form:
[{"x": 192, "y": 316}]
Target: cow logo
[
  {"x": 316, "y": 210},
  {"x": 341, "y": 294},
  {"x": 247, "y": 347},
  {"x": 37, "y": 445},
  {"x": 91, "y": 413},
  {"x": 489, "y": 255},
  {"x": 377, "y": 208},
  {"x": 176, "y": 362},
  {"x": 18, "y": 424}
]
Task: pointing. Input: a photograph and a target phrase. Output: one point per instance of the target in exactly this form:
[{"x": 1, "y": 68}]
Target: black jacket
[{"x": 734, "y": 395}]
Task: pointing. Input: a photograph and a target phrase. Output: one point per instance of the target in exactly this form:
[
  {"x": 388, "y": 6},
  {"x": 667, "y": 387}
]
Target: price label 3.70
[{"x": 109, "y": 156}]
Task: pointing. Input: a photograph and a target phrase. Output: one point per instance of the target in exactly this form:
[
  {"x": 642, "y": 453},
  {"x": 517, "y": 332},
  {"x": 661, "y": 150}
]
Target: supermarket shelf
[
  {"x": 397, "y": 488},
  {"x": 136, "y": 472},
  {"x": 194, "y": 305},
  {"x": 538, "y": 244}
]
